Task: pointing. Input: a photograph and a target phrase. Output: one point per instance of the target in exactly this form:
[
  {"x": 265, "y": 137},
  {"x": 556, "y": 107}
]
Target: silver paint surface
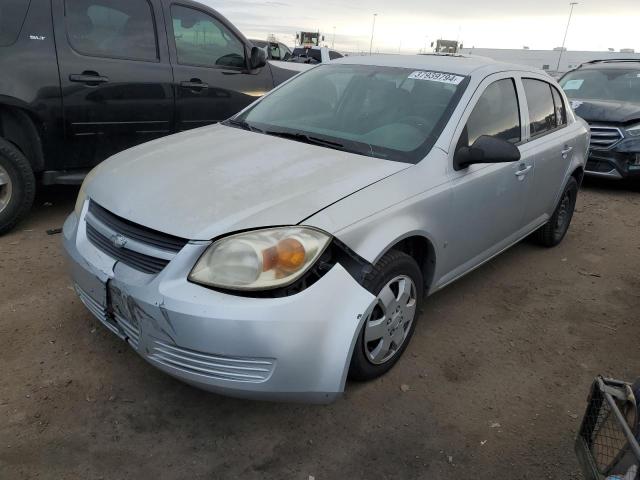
[{"x": 217, "y": 180}]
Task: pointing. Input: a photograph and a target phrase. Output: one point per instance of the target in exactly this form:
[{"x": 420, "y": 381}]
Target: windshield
[
  {"x": 621, "y": 85},
  {"x": 391, "y": 113}
]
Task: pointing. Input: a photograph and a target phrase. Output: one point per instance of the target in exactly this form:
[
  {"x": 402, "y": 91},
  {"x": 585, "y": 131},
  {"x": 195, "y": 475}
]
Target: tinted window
[
  {"x": 202, "y": 40},
  {"x": 561, "y": 112},
  {"x": 333, "y": 55},
  {"x": 382, "y": 112},
  {"x": 12, "y": 13},
  {"x": 120, "y": 29},
  {"x": 542, "y": 113},
  {"x": 496, "y": 114}
]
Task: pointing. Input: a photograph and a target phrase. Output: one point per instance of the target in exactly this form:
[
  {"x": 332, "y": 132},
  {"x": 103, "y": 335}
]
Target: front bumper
[
  {"x": 622, "y": 161},
  {"x": 295, "y": 348}
]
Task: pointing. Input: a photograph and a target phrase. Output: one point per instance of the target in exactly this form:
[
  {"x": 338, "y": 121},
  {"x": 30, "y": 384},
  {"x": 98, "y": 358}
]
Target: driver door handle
[
  {"x": 194, "y": 84},
  {"x": 88, "y": 78}
]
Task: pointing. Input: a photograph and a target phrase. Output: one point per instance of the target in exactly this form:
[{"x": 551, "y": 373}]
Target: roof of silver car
[{"x": 460, "y": 64}]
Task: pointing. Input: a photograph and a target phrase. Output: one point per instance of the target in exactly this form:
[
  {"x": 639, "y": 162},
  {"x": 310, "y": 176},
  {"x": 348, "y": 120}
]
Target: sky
[{"x": 406, "y": 26}]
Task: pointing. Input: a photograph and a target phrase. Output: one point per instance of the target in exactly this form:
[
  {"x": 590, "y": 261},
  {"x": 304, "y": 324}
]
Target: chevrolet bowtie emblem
[{"x": 118, "y": 241}]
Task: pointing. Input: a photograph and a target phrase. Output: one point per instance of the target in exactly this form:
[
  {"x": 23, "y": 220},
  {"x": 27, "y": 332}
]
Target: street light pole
[
  {"x": 572, "y": 4},
  {"x": 373, "y": 27},
  {"x": 333, "y": 40}
]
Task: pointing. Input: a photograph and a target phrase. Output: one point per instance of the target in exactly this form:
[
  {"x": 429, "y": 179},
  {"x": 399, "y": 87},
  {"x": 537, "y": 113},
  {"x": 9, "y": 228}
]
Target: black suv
[
  {"x": 606, "y": 93},
  {"x": 81, "y": 80}
]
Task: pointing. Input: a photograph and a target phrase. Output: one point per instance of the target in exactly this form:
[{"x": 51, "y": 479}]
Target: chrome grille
[
  {"x": 603, "y": 138},
  {"x": 252, "y": 370},
  {"x": 139, "y": 247}
]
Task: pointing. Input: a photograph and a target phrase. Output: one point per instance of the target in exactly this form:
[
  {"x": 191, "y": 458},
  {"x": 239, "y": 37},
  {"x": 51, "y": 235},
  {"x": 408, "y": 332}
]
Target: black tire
[
  {"x": 391, "y": 265},
  {"x": 552, "y": 232},
  {"x": 23, "y": 186}
]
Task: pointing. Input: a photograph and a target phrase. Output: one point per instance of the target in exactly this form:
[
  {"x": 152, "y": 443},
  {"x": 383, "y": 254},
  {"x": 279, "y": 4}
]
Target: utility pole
[
  {"x": 373, "y": 28},
  {"x": 333, "y": 40},
  {"x": 564, "y": 40}
]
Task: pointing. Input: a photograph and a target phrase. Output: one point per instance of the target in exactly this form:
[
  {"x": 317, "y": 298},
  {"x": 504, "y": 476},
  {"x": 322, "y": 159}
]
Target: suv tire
[{"x": 17, "y": 186}]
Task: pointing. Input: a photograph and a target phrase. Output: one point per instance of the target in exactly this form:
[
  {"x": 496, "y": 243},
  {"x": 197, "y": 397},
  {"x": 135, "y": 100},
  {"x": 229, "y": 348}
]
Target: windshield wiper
[
  {"x": 303, "y": 137},
  {"x": 241, "y": 124}
]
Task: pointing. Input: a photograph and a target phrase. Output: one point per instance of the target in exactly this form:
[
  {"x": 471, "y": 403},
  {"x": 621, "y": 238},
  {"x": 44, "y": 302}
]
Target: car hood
[
  {"x": 215, "y": 180},
  {"x": 606, "y": 111}
]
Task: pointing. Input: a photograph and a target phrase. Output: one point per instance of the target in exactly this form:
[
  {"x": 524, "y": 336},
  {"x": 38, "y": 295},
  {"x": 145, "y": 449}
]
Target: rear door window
[
  {"x": 12, "y": 15},
  {"x": 542, "y": 111},
  {"x": 114, "y": 29}
]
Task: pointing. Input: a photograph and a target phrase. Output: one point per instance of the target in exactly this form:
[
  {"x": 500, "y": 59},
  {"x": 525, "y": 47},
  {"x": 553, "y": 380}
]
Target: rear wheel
[
  {"x": 397, "y": 283},
  {"x": 17, "y": 186},
  {"x": 552, "y": 233}
]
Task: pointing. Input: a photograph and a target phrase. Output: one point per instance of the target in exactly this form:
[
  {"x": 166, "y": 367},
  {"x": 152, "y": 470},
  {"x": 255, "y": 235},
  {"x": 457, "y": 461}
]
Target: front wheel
[
  {"x": 17, "y": 186},
  {"x": 552, "y": 233},
  {"x": 397, "y": 283}
]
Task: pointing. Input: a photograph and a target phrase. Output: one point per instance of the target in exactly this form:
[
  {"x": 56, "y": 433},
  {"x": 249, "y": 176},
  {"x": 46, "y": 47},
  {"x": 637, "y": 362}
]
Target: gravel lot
[{"x": 492, "y": 386}]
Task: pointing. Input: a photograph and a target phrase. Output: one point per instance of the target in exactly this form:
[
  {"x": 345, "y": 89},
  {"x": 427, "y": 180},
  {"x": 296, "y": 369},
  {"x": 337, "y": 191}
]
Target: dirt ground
[{"x": 497, "y": 374}]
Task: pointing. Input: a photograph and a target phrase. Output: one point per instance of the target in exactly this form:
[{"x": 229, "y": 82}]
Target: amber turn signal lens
[
  {"x": 291, "y": 254},
  {"x": 288, "y": 256}
]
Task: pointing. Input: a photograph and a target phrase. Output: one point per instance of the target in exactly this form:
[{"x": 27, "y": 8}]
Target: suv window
[
  {"x": 561, "y": 111},
  {"x": 12, "y": 13},
  {"x": 542, "y": 112},
  {"x": 112, "y": 29},
  {"x": 333, "y": 55},
  {"x": 202, "y": 40},
  {"x": 496, "y": 114}
]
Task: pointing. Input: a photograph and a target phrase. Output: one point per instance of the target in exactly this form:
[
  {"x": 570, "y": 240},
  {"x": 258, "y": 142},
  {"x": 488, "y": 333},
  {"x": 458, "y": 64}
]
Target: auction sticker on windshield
[{"x": 437, "y": 77}]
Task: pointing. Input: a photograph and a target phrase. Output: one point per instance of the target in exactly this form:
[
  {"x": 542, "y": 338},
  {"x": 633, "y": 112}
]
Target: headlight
[
  {"x": 634, "y": 131},
  {"x": 261, "y": 259}
]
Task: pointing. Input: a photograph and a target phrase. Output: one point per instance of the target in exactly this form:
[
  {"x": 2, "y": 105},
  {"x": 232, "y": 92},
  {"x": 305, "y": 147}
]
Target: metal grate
[
  {"x": 606, "y": 443},
  {"x": 603, "y": 138},
  {"x": 252, "y": 370},
  {"x": 137, "y": 232},
  {"x": 139, "y": 261}
]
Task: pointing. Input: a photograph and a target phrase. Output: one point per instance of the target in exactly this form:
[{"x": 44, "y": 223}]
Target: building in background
[{"x": 548, "y": 59}]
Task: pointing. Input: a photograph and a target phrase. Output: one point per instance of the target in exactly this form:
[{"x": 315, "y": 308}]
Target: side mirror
[
  {"x": 486, "y": 149},
  {"x": 258, "y": 58}
]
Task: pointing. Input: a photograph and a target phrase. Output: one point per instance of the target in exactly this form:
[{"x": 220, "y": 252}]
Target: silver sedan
[{"x": 279, "y": 253}]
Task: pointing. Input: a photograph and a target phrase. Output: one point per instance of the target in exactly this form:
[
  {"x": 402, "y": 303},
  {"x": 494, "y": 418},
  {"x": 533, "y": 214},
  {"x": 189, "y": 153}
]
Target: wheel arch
[
  {"x": 19, "y": 127},
  {"x": 578, "y": 174},
  {"x": 421, "y": 248}
]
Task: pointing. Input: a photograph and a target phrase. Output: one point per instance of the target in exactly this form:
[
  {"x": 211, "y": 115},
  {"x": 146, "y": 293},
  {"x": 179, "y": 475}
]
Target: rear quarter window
[{"x": 12, "y": 15}]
